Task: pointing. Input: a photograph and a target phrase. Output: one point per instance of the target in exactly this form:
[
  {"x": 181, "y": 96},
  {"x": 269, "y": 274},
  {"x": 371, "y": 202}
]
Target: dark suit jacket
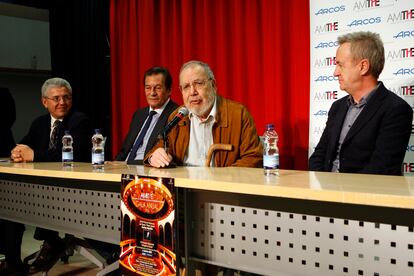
[
  {"x": 376, "y": 142},
  {"x": 7, "y": 118},
  {"x": 79, "y": 126},
  {"x": 136, "y": 124}
]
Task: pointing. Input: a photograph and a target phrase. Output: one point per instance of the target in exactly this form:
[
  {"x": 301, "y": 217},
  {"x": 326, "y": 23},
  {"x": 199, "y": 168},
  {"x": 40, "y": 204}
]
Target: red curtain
[{"x": 259, "y": 51}]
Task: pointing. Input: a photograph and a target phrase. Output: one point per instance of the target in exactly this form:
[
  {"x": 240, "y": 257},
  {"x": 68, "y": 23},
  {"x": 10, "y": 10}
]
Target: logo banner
[{"x": 393, "y": 20}]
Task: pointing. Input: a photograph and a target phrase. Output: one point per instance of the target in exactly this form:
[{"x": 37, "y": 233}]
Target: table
[{"x": 299, "y": 223}]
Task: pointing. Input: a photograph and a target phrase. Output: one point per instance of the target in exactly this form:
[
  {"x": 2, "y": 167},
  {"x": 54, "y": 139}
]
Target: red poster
[{"x": 148, "y": 229}]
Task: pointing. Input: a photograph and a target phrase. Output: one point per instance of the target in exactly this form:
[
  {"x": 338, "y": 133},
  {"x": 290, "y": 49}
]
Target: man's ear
[
  {"x": 213, "y": 84},
  {"x": 44, "y": 102},
  {"x": 364, "y": 66}
]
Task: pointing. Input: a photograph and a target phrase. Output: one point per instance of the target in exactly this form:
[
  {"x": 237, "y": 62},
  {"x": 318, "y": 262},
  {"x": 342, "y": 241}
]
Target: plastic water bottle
[
  {"x": 98, "y": 153},
  {"x": 67, "y": 149},
  {"x": 270, "y": 151}
]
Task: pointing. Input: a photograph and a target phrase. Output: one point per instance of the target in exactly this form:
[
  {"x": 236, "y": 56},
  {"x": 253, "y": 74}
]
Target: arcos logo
[
  {"x": 321, "y": 113},
  {"x": 330, "y": 10},
  {"x": 404, "y": 71},
  {"x": 329, "y": 44},
  {"x": 404, "y": 34},
  {"x": 365, "y": 21},
  {"x": 326, "y": 78}
]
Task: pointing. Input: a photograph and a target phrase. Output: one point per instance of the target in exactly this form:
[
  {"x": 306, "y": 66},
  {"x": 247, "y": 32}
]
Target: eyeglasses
[
  {"x": 197, "y": 84},
  {"x": 56, "y": 99},
  {"x": 157, "y": 88}
]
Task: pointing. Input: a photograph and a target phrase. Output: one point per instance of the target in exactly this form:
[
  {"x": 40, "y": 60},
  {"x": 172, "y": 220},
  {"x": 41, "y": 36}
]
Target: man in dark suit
[
  {"x": 157, "y": 86},
  {"x": 367, "y": 131},
  {"x": 43, "y": 143},
  {"x": 7, "y": 118}
]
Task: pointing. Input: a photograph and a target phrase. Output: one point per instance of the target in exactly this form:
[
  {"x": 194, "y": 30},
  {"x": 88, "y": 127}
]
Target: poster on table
[{"x": 147, "y": 226}]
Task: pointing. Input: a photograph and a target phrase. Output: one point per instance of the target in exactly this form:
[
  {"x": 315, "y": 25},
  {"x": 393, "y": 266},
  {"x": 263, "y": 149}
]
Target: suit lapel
[
  {"x": 339, "y": 119},
  {"x": 46, "y": 132},
  {"x": 140, "y": 122},
  {"x": 157, "y": 128},
  {"x": 160, "y": 125}
]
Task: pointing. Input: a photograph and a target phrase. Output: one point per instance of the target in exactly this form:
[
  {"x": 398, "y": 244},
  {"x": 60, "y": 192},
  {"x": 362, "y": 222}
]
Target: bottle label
[
  {"x": 67, "y": 156},
  {"x": 98, "y": 158},
  {"x": 271, "y": 161}
]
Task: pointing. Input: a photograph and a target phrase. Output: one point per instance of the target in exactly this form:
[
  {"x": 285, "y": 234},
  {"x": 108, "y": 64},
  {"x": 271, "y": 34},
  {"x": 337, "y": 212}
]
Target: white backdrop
[{"x": 393, "y": 20}]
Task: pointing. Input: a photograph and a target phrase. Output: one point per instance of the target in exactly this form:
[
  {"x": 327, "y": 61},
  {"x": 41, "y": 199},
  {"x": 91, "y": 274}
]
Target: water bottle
[
  {"x": 98, "y": 153},
  {"x": 67, "y": 149},
  {"x": 270, "y": 151}
]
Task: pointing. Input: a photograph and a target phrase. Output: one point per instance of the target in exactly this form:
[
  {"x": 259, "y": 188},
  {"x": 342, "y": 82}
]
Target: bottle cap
[
  {"x": 97, "y": 130},
  {"x": 67, "y": 132},
  {"x": 270, "y": 126}
]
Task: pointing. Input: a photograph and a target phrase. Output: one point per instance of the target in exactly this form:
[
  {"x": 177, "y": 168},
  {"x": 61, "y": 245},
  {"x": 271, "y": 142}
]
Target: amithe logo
[
  {"x": 401, "y": 16},
  {"x": 366, "y": 21},
  {"x": 328, "y": 27},
  {"x": 404, "y": 34},
  {"x": 405, "y": 90},
  {"x": 366, "y": 4},
  {"x": 326, "y": 95},
  {"x": 330, "y": 10},
  {"x": 318, "y": 130},
  {"x": 328, "y": 44},
  {"x": 408, "y": 167},
  {"x": 401, "y": 54},
  {"x": 325, "y": 62}
]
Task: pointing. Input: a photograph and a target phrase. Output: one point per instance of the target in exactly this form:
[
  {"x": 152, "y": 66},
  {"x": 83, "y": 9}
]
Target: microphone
[{"x": 182, "y": 112}]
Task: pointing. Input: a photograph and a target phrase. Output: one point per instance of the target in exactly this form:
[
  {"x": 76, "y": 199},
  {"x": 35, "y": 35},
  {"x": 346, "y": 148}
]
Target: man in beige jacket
[{"x": 212, "y": 119}]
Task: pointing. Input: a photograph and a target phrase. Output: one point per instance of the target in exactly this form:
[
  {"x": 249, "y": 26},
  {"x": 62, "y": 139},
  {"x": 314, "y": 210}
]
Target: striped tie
[{"x": 54, "y": 135}]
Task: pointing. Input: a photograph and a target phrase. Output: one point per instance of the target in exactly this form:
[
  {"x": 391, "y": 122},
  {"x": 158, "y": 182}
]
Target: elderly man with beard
[{"x": 212, "y": 119}]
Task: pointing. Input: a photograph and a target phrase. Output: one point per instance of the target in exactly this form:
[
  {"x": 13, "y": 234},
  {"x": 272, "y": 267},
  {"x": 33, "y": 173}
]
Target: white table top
[{"x": 374, "y": 190}]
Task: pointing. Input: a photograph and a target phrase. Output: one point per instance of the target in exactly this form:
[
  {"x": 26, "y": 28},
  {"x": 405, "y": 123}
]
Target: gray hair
[
  {"x": 55, "y": 82},
  {"x": 366, "y": 45},
  {"x": 193, "y": 63}
]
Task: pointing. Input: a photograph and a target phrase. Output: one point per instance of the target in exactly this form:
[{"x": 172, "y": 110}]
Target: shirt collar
[
  {"x": 159, "y": 110},
  {"x": 53, "y": 119},
  {"x": 364, "y": 100}
]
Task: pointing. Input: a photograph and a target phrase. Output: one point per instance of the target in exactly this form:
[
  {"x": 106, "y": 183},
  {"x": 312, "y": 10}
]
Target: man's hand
[
  {"x": 160, "y": 158},
  {"x": 22, "y": 153}
]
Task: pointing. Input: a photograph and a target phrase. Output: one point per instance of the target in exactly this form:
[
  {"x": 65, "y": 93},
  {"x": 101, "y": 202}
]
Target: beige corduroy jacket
[{"x": 234, "y": 125}]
